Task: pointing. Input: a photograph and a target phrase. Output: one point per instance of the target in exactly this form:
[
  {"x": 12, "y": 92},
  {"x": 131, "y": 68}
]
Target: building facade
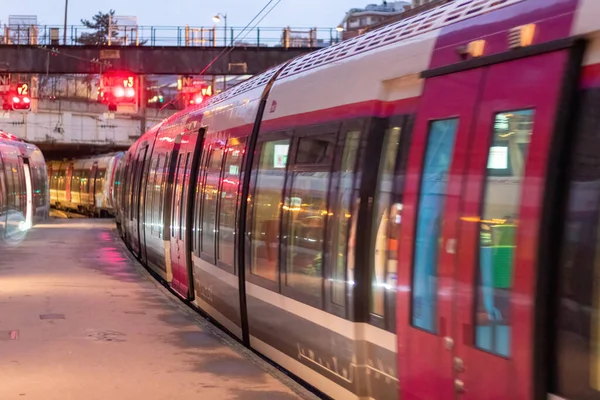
[{"x": 357, "y": 20}]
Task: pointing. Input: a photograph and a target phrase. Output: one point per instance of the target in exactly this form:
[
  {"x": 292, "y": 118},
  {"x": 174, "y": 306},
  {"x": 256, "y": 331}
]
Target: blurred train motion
[
  {"x": 410, "y": 213},
  {"x": 23, "y": 186},
  {"x": 84, "y": 185}
]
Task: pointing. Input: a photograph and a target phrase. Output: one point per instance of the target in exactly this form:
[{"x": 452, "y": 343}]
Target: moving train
[
  {"x": 84, "y": 185},
  {"x": 23, "y": 186},
  {"x": 412, "y": 213}
]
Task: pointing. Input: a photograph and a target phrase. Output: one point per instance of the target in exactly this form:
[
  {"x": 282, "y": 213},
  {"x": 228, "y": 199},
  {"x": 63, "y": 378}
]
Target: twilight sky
[{"x": 295, "y": 13}]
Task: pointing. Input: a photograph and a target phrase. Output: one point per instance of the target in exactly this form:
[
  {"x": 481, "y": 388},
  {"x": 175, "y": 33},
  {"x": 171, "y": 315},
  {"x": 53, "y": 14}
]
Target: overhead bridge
[{"x": 159, "y": 60}]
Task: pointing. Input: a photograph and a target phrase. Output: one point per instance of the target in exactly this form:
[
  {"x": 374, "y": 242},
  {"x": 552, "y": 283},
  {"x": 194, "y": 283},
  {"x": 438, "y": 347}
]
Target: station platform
[{"x": 80, "y": 318}]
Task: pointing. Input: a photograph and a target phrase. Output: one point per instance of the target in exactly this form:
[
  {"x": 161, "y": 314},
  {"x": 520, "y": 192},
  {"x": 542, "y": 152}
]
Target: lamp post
[
  {"x": 217, "y": 19},
  {"x": 65, "y": 27},
  {"x": 341, "y": 27}
]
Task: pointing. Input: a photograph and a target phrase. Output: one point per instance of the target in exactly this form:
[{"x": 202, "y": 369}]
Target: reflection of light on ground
[
  {"x": 85, "y": 225},
  {"x": 36, "y": 284},
  {"x": 16, "y": 228}
]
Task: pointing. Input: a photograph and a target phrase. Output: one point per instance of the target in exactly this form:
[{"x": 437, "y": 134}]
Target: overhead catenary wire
[
  {"x": 254, "y": 26},
  {"x": 227, "y": 49}
]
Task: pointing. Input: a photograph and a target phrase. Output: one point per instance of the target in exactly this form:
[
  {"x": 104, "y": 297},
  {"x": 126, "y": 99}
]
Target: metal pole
[
  {"x": 65, "y": 27},
  {"x": 225, "y": 18}
]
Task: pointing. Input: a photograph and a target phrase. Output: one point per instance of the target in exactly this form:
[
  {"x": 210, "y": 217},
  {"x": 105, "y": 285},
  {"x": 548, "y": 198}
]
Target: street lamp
[
  {"x": 217, "y": 19},
  {"x": 65, "y": 27},
  {"x": 339, "y": 28}
]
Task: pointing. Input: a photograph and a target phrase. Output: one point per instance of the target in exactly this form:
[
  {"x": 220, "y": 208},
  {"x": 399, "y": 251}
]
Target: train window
[
  {"x": 18, "y": 187},
  {"x": 85, "y": 181},
  {"x": 438, "y": 156},
  {"x": 315, "y": 150},
  {"x": 99, "y": 183},
  {"x": 151, "y": 193},
  {"x": 178, "y": 177},
  {"x": 76, "y": 181},
  {"x": 164, "y": 181},
  {"x": 498, "y": 229},
  {"x": 10, "y": 185},
  {"x": 306, "y": 212},
  {"x": 230, "y": 184},
  {"x": 342, "y": 217},
  {"x": 38, "y": 180},
  {"x": 380, "y": 245},
  {"x": 266, "y": 213},
  {"x": 138, "y": 179},
  {"x": 183, "y": 197},
  {"x": 61, "y": 179},
  {"x": 210, "y": 197}
]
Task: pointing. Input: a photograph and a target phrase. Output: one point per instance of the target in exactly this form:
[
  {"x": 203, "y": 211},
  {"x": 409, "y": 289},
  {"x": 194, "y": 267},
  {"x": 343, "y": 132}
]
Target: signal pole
[{"x": 143, "y": 102}]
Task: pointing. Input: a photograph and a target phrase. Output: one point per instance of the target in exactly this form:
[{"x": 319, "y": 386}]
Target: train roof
[
  {"x": 10, "y": 137},
  {"x": 404, "y": 50}
]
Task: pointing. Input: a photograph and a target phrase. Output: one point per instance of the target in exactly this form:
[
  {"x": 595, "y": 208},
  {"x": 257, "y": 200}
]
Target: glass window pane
[
  {"x": 498, "y": 229},
  {"x": 150, "y": 221},
  {"x": 183, "y": 195},
  {"x": 382, "y": 211},
  {"x": 177, "y": 186},
  {"x": 157, "y": 197},
  {"x": 267, "y": 209},
  {"x": 229, "y": 198},
  {"x": 306, "y": 210},
  {"x": 438, "y": 158},
  {"x": 315, "y": 150},
  {"x": 342, "y": 218},
  {"x": 10, "y": 186},
  {"x": 209, "y": 201},
  {"x": 75, "y": 181},
  {"x": 164, "y": 174},
  {"x": 99, "y": 184}
]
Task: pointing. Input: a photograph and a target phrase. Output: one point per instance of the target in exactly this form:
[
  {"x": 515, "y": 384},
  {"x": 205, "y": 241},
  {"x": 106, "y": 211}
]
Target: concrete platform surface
[{"x": 80, "y": 319}]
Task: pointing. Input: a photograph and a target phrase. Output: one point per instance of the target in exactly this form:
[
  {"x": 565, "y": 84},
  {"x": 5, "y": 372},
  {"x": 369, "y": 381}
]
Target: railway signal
[
  {"x": 193, "y": 91},
  {"x": 20, "y": 100},
  {"x": 16, "y": 98},
  {"x": 119, "y": 91}
]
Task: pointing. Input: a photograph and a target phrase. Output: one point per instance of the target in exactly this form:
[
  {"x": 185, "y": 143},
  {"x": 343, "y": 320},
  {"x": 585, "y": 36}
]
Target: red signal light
[
  {"x": 119, "y": 91},
  {"x": 20, "y": 103}
]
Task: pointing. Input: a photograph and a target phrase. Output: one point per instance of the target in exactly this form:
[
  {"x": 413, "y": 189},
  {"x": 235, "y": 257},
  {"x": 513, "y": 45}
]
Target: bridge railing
[{"x": 176, "y": 36}]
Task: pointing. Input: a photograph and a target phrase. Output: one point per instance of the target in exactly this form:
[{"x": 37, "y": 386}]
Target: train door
[
  {"x": 475, "y": 190},
  {"x": 135, "y": 198},
  {"x": 28, "y": 196},
  {"x": 182, "y": 207}
]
